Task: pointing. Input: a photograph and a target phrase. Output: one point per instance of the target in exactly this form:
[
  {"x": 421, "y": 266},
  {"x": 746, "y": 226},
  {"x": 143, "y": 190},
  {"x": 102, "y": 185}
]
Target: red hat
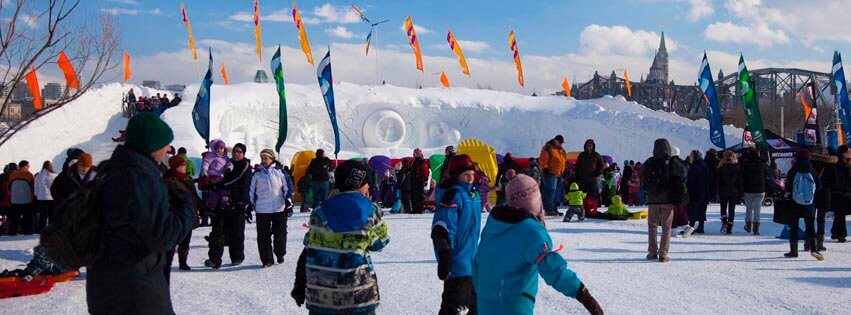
[
  {"x": 459, "y": 164},
  {"x": 176, "y": 161},
  {"x": 85, "y": 160}
]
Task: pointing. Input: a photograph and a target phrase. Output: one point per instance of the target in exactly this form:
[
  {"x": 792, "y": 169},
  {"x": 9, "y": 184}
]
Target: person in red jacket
[{"x": 419, "y": 176}]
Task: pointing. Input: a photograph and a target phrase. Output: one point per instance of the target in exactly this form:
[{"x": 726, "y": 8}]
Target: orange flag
[
  {"x": 456, "y": 48},
  {"x": 515, "y": 52},
  {"x": 32, "y": 84},
  {"x": 68, "y": 69},
  {"x": 302, "y": 35},
  {"x": 807, "y": 109},
  {"x": 628, "y": 85},
  {"x": 566, "y": 86},
  {"x": 189, "y": 29},
  {"x": 257, "y": 33},
  {"x": 225, "y": 74},
  {"x": 415, "y": 43},
  {"x": 444, "y": 80},
  {"x": 127, "y": 72}
]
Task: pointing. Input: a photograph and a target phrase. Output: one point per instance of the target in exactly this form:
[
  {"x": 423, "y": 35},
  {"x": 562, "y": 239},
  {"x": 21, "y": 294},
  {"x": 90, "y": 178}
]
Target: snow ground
[{"x": 708, "y": 274}]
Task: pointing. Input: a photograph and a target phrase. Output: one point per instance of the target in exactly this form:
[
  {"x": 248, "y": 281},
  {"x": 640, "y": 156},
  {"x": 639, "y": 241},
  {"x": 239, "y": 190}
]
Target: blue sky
[{"x": 556, "y": 38}]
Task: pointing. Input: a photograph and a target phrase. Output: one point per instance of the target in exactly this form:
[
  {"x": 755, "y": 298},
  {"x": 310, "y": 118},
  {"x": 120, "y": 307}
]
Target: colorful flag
[
  {"x": 565, "y": 84},
  {"x": 844, "y": 102},
  {"x": 515, "y": 51},
  {"x": 68, "y": 69},
  {"x": 225, "y": 75},
  {"x": 415, "y": 43},
  {"x": 278, "y": 73},
  {"x": 628, "y": 84},
  {"x": 456, "y": 48},
  {"x": 368, "y": 40},
  {"x": 302, "y": 35},
  {"x": 807, "y": 109},
  {"x": 811, "y": 135},
  {"x": 35, "y": 90},
  {"x": 201, "y": 111},
  {"x": 326, "y": 84},
  {"x": 750, "y": 105},
  {"x": 362, "y": 17},
  {"x": 189, "y": 29},
  {"x": 127, "y": 72},
  {"x": 444, "y": 80},
  {"x": 713, "y": 107},
  {"x": 257, "y": 33}
]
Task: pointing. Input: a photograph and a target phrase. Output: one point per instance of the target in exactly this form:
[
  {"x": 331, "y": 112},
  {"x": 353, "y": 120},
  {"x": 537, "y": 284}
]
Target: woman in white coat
[
  {"x": 44, "y": 201},
  {"x": 271, "y": 194}
]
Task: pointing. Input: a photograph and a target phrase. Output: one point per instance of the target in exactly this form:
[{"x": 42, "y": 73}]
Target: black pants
[
  {"x": 458, "y": 293},
  {"x": 228, "y": 224},
  {"x": 809, "y": 229},
  {"x": 840, "y": 209},
  {"x": 820, "y": 214},
  {"x": 406, "y": 200},
  {"x": 417, "y": 198},
  {"x": 45, "y": 211},
  {"x": 271, "y": 236},
  {"x": 728, "y": 207},
  {"x": 22, "y": 219},
  {"x": 696, "y": 211}
]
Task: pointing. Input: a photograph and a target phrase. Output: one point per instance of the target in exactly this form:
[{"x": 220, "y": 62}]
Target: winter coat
[
  {"x": 190, "y": 166},
  {"x": 515, "y": 249},
  {"x": 460, "y": 213},
  {"x": 634, "y": 184},
  {"x": 444, "y": 168},
  {"x": 270, "y": 188},
  {"x": 589, "y": 165},
  {"x": 754, "y": 172},
  {"x": 214, "y": 165},
  {"x": 617, "y": 207},
  {"x": 129, "y": 278},
  {"x": 21, "y": 190},
  {"x": 661, "y": 158},
  {"x": 712, "y": 171},
  {"x": 625, "y": 177},
  {"x": 842, "y": 187},
  {"x": 419, "y": 172},
  {"x": 507, "y": 164},
  {"x": 534, "y": 171},
  {"x": 173, "y": 180},
  {"x": 575, "y": 197},
  {"x": 805, "y": 166},
  {"x": 825, "y": 166},
  {"x": 697, "y": 182},
  {"x": 68, "y": 182},
  {"x": 729, "y": 181},
  {"x": 238, "y": 181},
  {"x": 43, "y": 181},
  {"x": 344, "y": 230},
  {"x": 318, "y": 169},
  {"x": 553, "y": 159}
]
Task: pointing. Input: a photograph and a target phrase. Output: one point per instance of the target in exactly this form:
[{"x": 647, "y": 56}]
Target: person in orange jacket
[
  {"x": 22, "y": 198},
  {"x": 553, "y": 160}
]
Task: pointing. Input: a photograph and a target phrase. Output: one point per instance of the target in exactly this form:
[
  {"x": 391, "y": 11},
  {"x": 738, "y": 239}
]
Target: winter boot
[
  {"x": 729, "y": 227},
  {"x": 821, "y": 243},
  {"x": 748, "y": 226},
  {"x": 699, "y": 229},
  {"x": 793, "y": 250},
  {"x": 814, "y": 250},
  {"x": 211, "y": 264},
  {"x": 807, "y": 245},
  {"x": 756, "y": 228},
  {"x": 723, "y": 224},
  {"x": 183, "y": 256}
]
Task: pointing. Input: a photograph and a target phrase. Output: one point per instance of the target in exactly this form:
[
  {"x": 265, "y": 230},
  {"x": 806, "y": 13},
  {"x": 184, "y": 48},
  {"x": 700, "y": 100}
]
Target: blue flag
[
  {"x": 201, "y": 111},
  {"x": 842, "y": 89},
  {"x": 326, "y": 84},
  {"x": 713, "y": 107}
]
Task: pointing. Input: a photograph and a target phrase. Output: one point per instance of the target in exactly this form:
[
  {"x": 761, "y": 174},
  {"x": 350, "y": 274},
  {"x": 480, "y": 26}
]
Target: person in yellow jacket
[
  {"x": 617, "y": 208},
  {"x": 575, "y": 199},
  {"x": 553, "y": 160}
]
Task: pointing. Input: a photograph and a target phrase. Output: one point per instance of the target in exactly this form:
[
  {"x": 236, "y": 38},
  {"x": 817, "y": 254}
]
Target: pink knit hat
[{"x": 523, "y": 193}]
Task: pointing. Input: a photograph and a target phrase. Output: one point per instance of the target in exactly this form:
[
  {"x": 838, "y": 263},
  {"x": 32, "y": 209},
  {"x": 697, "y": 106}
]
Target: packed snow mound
[{"x": 373, "y": 120}]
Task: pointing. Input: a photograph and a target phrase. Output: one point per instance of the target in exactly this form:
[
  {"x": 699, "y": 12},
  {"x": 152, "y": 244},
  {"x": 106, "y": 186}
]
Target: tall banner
[
  {"x": 565, "y": 84},
  {"x": 201, "y": 111},
  {"x": 68, "y": 70},
  {"x": 811, "y": 135},
  {"x": 444, "y": 80},
  {"x": 225, "y": 75},
  {"x": 750, "y": 105},
  {"x": 326, "y": 84},
  {"x": 456, "y": 48},
  {"x": 278, "y": 72},
  {"x": 713, "y": 106},
  {"x": 368, "y": 40},
  {"x": 127, "y": 72},
  {"x": 415, "y": 43},
  {"x": 302, "y": 35},
  {"x": 515, "y": 51},
  {"x": 257, "y": 33},
  {"x": 189, "y": 29},
  {"x": 842, "y": 90},
  {"x": 628, "y": 84},
  {"x": 35, "y": 90}
]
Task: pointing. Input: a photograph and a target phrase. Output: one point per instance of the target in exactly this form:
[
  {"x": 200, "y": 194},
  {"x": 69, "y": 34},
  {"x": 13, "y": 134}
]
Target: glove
[
  {"x": 248, "y": 216},
  {"x": 298, "y": 297},
  {"x": 444, "y": 264},
  {"x": 440, "y": 239},
  {"x": 588, "y": 301}
]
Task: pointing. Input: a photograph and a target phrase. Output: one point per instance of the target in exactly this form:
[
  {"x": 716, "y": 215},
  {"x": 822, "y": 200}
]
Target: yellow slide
[
  {"x": 483, "y": 154},
  {"x": 299, "y": 168}
]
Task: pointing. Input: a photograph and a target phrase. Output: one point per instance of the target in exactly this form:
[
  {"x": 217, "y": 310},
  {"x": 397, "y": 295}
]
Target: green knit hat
[{"x": 147, "y": 133}]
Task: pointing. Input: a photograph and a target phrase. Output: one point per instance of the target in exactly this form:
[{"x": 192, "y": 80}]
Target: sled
[
  {"x": 483, "y": 154},
  {"x": 14, "y": 287},
  {"x": 65, "y": 277},
  {"x": 299, "y": 167},
  {"x": 435, "y": 162},
  {"x": 639, "y": 215}
]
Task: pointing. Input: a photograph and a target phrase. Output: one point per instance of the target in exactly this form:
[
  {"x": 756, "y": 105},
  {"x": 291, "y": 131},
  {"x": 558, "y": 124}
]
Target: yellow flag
[
  {"x": 189, "y": 29},
  {"x": 257, "y": 30},
  {"x": 444, "y": 80},
  {"x": 515, "y": 52},
  {"x": 566, "y": 86},
  {"x": 415, "y": 43},
  {"x": 302, "y": 34},
  {"x": 456, "y": 48},
  {"x": 628, "y": 84}
]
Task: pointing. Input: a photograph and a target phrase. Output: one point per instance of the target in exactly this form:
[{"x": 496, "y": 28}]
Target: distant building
[
  {"x": 659, "y": 69},
  {"x": 175, "y": 87},
  {"x": 151, "y": 84},
  {"x": 52, "y": 91},
  {"x": 12, "y": 113},
  {"x": 261, "y": 77},
  {"x": 21, "y": 92}
]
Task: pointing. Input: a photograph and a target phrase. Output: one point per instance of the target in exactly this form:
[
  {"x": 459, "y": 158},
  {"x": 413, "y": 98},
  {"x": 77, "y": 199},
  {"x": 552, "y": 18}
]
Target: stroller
[{"x": 774, "y": 189}]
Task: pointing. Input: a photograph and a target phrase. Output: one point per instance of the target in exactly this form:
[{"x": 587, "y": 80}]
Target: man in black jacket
[
  {"x": 319, "y": 177},
  {"x": 229, "y": 223},
  {"x": 140, "y": 227}
]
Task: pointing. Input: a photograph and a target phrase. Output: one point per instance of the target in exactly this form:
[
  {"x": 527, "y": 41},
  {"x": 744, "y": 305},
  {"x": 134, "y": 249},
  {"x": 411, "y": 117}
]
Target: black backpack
[
  {"x": 658, "y": 178},
  {"x": 75, "y": 236}
]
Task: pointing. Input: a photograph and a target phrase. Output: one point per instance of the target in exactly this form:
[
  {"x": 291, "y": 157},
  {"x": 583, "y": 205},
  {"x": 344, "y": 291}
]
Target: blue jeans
[
  {"x": 320, "y": 192},
  {"x": 548, "y": 191}
]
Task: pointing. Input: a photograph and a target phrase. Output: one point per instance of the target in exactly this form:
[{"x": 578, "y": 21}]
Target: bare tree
[{"x": 32, "y": 35}]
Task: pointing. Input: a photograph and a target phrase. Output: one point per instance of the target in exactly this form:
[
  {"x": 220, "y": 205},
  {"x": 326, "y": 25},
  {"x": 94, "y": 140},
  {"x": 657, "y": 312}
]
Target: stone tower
[{"x": 659, "y": 70}]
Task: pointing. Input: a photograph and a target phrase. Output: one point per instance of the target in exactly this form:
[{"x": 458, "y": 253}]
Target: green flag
[
  {"x": 750, "y": 106},
  {"x": 278, "y": 72}
]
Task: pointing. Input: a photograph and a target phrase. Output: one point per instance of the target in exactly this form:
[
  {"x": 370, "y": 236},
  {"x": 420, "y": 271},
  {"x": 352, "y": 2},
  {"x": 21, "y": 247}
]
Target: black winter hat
[
  {"x": 560, "y": 138},
  {"x": 350, "y": 175}
]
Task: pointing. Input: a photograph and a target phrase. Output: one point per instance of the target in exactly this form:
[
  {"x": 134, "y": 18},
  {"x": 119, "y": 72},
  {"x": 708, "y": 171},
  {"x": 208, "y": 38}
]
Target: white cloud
[
  {"x": 700, "y": 9},
  {"x": 122, "y": 11},
  {"x": 276, "y": 16},
  {"x": 328, "y": 13},
  {"x": 30, "y": 20},
  {"x": 127, "y": 2},
  {"x": 759, "y": 33},
  {"x": 340, "y": 32},
  {"x": 418, "y": 28},
  {"x": 474, "y": 46},
  {"x": 596, "y": 39}
]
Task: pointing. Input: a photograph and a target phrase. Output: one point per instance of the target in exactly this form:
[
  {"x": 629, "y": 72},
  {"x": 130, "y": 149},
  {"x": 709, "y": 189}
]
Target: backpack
[
  {"x": 658, "y": 178},
  {"x": 805, "y": 189},
  {"x": 75, "y": 236}
]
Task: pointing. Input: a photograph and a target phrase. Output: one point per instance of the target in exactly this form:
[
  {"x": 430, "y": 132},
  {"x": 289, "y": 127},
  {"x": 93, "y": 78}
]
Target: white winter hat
[{"x": 675, "y": 151}]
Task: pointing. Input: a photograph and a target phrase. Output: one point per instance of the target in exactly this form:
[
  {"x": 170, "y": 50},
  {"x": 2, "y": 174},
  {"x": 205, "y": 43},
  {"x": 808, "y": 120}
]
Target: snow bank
[{"x": 373, "y": 120}]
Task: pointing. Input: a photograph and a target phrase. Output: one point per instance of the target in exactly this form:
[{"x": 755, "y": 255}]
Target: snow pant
[
  {"x": 560, "y": 193},
  {"x": 548, "y": 191},
  {"x": 753, "y": 205},
  {"x": 697, "y": 211},
  {"x": 820, "y": 218},
  {"x": 579, "y": 211},
  {"x": 271, "y": 236},
  {"x": 633, "y": 199},
  {"x": 182, "y": 255},
  {"x": 320, "y": 191},
  {"x": 417, "y": 198},
  {"x": 809, "y": 227},
  {"x": 228, "y": 227},
  {"x": 728, "y": 207},
  {"x": 458, "y": 294},
  {"x": 681, "y": 217},
  {"x": 591, "y": 188},
  {"x": 45, "y": 211},
  {"x": 840, "y": 209},
  {"x": 659, "y": 215},
  {"x": 22, "y": 219},
  {"x": 405, "y": 196}
]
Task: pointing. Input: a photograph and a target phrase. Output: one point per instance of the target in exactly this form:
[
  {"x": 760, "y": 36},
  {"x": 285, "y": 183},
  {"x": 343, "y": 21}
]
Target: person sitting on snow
[
  {"x": 575, "y": 196},
  {"x": 617, "y": 209},
  {"x": 515, "y": 249},
  {"x": 39, "y": 265}
]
